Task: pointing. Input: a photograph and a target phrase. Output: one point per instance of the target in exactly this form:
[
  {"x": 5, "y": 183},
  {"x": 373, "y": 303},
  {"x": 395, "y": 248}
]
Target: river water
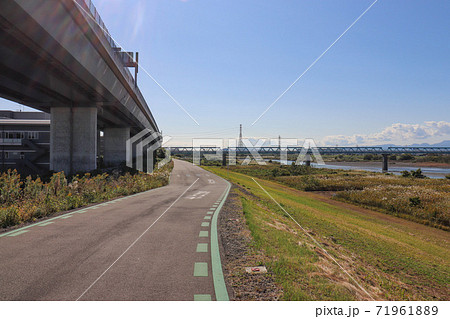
[{"x": 432, "y": 172}]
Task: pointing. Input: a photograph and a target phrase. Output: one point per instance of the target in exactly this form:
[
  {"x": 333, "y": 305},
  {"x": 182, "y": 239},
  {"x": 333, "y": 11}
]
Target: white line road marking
[
  {"x": 129, "y": 247},
  {"x": 198, "y": 195}
]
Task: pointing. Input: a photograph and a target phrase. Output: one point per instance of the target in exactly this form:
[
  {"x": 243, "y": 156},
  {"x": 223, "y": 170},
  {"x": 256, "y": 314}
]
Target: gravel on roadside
[{"x": 239, "y": 252}]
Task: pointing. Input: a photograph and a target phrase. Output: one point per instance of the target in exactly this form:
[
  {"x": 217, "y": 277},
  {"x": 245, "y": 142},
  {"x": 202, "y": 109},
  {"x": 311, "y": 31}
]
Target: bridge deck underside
[{"x": 65, "y": 65}]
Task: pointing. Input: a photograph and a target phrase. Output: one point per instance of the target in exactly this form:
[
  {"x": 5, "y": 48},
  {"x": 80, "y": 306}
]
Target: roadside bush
[
  {"x": 32, "y": 199},
  {"x": 8, "y": 216}
]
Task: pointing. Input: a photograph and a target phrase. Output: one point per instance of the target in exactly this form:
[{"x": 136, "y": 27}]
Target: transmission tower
[{"x": 240, "y": 143}]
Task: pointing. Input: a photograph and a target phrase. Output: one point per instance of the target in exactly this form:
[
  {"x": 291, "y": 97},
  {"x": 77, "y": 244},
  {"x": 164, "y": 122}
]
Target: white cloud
[{"x": 399, "y": 133}]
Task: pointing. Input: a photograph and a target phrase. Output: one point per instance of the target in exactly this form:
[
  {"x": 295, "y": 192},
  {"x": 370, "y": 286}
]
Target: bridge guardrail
[
  {"x": 90, "y": 8},
  {"x": 419, "y": 150},
  {"x": 321, "y": 150}
]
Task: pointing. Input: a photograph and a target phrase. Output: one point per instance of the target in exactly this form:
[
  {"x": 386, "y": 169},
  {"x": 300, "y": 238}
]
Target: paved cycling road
[{"x": 151, "y": 246}]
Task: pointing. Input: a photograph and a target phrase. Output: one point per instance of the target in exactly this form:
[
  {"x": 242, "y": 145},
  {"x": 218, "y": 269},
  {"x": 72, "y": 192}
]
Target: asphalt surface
[{"x": 143, "y": 247}]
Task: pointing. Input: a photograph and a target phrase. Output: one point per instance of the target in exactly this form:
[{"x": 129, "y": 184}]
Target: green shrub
[
  {"x": 280, "y": 172},
  {"x": 406, "y": 174},
  {"x": 414, "y": 201},
  {"x": 26, "y": 201},
  {"x": 417, "y": 174},
  {"x": 406, "y": 157}
]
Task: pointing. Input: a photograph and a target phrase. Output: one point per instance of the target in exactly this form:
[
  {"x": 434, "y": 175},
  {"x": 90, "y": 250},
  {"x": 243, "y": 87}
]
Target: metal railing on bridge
[
  {"x": 321, "y": 150},
  {"x": 418, "y": 150},
  {"x": 114, "y": 47}
]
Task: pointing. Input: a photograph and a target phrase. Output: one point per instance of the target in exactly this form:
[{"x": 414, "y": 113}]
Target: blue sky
[{"x": 386, "y": 80}]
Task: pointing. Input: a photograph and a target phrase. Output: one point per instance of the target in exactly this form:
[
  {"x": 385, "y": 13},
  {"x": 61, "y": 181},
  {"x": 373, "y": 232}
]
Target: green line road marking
[
  {"x": 200, "y": 270},
  {"x": 202, "y": 298},
  {"x": 205, "y": 224},
  {"x": 45, "y": 224},
  {"x": 216, "y": 265},
  {"x": 207, "y": 217},
  {"x": 203, "y": 233},
  {"x": 18, "y": 233},
  {"x": 202, "y": 248},
  {"x": 210, "y": 213}
]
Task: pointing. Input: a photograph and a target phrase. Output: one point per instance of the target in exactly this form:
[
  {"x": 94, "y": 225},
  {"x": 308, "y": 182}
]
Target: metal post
[{"x": 136, "y": 69}]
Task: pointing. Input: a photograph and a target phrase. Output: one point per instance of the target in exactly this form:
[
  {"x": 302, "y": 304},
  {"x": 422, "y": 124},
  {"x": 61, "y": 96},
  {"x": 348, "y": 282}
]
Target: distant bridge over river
[{"x": 308, "y": 152}]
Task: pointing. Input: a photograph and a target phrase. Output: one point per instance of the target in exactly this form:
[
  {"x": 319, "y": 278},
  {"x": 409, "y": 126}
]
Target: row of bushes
[{"x": 29, "y": 199}]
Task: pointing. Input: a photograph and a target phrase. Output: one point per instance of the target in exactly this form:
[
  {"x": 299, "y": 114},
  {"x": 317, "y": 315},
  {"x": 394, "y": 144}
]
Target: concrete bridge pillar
[
  {"x": 115, "y": 145},
  {"x": 73, "y": 139},
  {"x": 385, "y": 162},
  {"x": 224, "y": 158},
  {"x": 308, "y": 160}
]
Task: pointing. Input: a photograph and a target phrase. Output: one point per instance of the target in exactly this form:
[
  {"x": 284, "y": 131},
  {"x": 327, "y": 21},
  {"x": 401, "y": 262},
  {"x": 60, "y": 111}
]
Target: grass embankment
[
  {"x": 392, "y": 258},
  {"x": 423, "y": 200},
  {"x": 30, "y": 199}
]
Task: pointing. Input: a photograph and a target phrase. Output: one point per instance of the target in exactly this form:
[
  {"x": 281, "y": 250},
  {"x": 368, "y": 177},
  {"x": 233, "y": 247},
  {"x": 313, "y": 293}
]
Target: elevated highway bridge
[{"x": 58, "y": 57}]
